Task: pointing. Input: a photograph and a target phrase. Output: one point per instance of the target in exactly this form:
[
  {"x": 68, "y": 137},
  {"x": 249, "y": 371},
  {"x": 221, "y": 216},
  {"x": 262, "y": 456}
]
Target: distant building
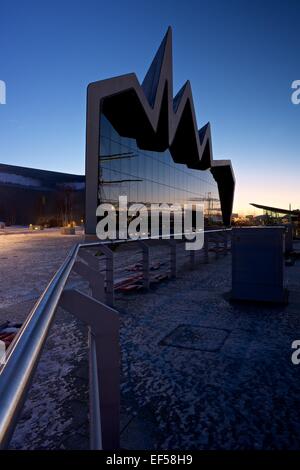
[
  {"x": 276, "y": 215},
  {"x": 31, "y": 196}
]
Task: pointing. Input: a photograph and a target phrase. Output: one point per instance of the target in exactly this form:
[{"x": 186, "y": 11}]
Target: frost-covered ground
[
  {"x": 29, "y": 260},
  {"x": 198, "y": 372},
  {"x": 208, "y": 374}
]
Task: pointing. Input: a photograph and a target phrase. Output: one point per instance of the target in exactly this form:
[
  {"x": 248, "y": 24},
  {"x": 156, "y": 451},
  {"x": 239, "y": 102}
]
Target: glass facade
[{"x": 150, "y": 177}]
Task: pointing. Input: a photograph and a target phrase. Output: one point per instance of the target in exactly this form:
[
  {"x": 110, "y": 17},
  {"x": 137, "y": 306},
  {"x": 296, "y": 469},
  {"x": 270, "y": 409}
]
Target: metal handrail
[{"x": 23, "y": 355}]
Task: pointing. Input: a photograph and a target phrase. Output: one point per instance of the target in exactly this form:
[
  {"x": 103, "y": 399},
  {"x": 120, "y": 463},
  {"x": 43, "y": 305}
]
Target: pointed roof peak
[
  {"x": 169, "y": 32},
  {"x": 178, "y": 97},
  {"x": 151, "y": 80},
  {"x": 203, "y": 130}
]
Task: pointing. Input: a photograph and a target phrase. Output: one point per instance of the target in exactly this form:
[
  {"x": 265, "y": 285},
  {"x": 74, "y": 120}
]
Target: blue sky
[{"x": 240, "y": 56}]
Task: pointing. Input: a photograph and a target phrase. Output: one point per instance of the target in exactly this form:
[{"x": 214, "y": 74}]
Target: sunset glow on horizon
[{"x": 241, "y": 85}]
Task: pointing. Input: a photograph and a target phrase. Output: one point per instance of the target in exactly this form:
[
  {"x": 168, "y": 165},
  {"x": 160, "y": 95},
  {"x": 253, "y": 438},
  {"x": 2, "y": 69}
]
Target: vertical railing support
[
  {"x": 90, "y": 258},
  {"x": 104, "y": 369},
  {"x": 95, "y": 279},
  {"x": 109, "y": 257},
  {"x": 146, "y": 263}
]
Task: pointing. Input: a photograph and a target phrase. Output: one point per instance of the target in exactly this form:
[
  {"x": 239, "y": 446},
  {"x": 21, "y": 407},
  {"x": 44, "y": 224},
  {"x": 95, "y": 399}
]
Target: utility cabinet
[{"x": 258, "y": 264}]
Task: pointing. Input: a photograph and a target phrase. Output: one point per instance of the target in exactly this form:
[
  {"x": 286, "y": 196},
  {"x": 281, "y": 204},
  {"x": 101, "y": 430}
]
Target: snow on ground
[
  {"x": 28, "y": 262},
  {"x": 231, "y": 386},
  {"x": 198, "y": 372}
]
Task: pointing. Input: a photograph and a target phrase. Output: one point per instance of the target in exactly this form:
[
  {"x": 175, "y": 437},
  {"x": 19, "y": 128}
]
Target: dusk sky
[{"x": 240, "y": 56}]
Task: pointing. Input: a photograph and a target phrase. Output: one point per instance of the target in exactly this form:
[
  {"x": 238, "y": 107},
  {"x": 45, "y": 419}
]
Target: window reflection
[{"x": 150, "y": 177}]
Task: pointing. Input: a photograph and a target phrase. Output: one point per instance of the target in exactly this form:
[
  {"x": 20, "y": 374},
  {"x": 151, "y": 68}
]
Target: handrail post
[
  {"x": 146, "y": 263},
  {"x": 104, "y": 366},
  {"x": 95, "y": 279},
  {"x": 109, "y": 257},
  {"x": 90, "y": 259}
]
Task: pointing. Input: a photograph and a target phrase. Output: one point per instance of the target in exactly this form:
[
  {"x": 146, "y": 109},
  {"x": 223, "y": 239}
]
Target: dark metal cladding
[{"x": 149, "y": 114}]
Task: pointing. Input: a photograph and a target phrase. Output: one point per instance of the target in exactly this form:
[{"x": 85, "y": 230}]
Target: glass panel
[{"x": 148, "y": 177}]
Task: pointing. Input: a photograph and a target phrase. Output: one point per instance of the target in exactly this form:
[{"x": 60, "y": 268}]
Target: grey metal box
[{"x": 257, "y": 264}]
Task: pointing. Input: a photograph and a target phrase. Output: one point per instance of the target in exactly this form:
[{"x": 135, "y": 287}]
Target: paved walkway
[
  {"x": 207, "y": 374},
  {"x": 198, "y": 372}
]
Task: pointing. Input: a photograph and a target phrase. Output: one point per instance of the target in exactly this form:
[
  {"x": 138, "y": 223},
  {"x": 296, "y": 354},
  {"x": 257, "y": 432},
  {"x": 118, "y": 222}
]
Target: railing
[{"x": 103, "y": 326}]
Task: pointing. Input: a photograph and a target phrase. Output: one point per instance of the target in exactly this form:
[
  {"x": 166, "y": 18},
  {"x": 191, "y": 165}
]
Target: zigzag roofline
[{"x": 149, "y": 113}]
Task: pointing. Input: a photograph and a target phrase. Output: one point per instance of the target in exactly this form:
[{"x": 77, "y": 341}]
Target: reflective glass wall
[{"x": 150, "y": 177}]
